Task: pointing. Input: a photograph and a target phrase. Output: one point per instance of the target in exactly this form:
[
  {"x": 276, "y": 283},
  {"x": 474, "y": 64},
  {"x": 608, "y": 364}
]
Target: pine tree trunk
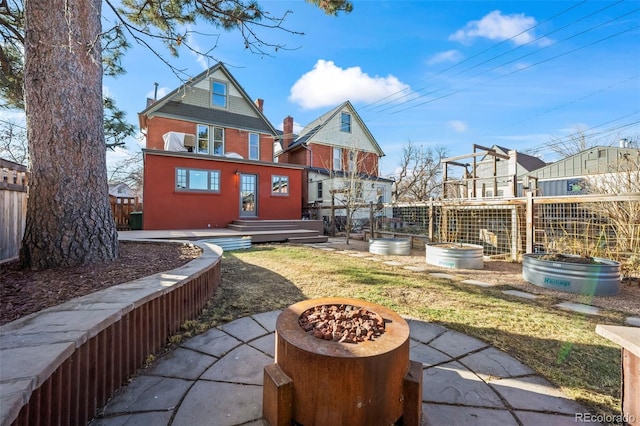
[{"x": 69, "y": 220}]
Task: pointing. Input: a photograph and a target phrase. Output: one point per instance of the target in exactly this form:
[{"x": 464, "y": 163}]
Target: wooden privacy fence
[
  {"x": 122, "y": 207},
  {"x": 13, "y": 207}
]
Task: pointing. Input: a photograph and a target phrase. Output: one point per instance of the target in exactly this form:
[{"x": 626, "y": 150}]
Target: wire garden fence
[{"x": 606, "y": 226}]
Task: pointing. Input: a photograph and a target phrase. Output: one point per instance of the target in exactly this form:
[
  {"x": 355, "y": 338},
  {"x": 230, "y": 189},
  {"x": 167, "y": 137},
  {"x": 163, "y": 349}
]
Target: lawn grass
[{"x": 561, "y": 346}]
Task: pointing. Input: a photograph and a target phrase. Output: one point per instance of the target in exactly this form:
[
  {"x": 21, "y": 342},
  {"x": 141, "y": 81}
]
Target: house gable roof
[
  {"x": 526, "y": 161},
  {"x": 321, "y": 124},
  {"x": 172, "y": 105}
]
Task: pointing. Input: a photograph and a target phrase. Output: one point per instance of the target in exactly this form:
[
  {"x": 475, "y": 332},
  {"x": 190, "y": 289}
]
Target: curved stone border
[{"x": 61, "y": 364}]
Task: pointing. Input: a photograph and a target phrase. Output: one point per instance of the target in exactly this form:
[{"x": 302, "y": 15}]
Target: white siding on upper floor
[{"x": 331, "y": 134}]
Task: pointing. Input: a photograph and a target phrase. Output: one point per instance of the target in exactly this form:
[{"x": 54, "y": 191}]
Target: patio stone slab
[
  {"x": 426, "y": 355},
  {"x": 243, "y": 365},
  {"x": 267, "y": 319},
  {"x": 214, "y": 342},
  {"x": 443, "y": 415},
  {"x": 150, "y": 418},
  {"x": 244, "y": 329},
  {"x": 214, "y": 403},
  {"x": 180, "y": 363},
  {"x": 266, "y": 344},
  {"x": 452, "y": 383},
  {"x": 424, "y": 331},
  {"x": 457, "y": 344},
  {"x": 535, "y": 393},
  {"x": 491, "y": 362},
  {"x": 532, "y": 418},
  {"x": 392, "y": 263},
  {"x": 149, "y": 393},
  {"x": 373, "y": 259},
  {"x": 522, "y": 294},
  {"x": 579, "y": 307}
]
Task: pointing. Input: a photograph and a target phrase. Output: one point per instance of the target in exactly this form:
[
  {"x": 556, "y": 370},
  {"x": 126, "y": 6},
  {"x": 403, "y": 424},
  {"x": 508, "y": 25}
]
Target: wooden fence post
[{"x": 529, "y": 222}]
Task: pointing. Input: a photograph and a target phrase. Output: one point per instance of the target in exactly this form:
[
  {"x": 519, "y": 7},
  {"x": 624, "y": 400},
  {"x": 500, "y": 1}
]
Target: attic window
[
  {"x": 345, "y": 122},
  {"x": 219, "y": 94}
]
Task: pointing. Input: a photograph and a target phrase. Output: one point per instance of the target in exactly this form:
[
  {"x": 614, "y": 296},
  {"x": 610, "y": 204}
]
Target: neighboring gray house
[{"x": 571, "y": 175}]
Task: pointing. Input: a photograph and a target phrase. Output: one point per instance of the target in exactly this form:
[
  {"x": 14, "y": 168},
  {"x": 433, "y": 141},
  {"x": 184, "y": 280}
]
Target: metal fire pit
[{"x": 320, "y": 382}]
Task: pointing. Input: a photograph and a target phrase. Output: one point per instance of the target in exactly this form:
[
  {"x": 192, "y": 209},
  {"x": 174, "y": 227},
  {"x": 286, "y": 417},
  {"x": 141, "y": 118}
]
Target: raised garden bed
[
  {"x": 572, "y": 273},
  {"x": 455, "y": 255}
]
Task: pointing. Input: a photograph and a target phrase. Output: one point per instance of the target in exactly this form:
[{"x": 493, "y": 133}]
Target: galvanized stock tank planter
[
  {"x": 569, "y": 273},
  {"x": 390, "y": 246},
  {"x": 455, "y": 255}
]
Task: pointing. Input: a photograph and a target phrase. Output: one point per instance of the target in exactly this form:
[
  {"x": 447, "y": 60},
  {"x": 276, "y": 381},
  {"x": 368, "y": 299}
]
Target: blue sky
[{"x": 437, "y": 73}]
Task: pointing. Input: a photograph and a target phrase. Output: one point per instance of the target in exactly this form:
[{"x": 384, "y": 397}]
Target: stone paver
[
  {"x": 149, "y": 393},
  {"x": 491, "y": 362},
  {"x": 465, "y": 382},
  {"x": 392, "y": 263},
  {"x": 242, "y": 365},
  {"x": 457, "y": 344},
  {"x": 632, "y": 321},
  {"x": 181, "y": 363},
  {"x": 244, "y": 329},
  {"x": 443, "y": 275},
  {"x": 453, "y": 384},
  {"x": 215, "y": 403},
  {"x": 579, "y": 307},
  {"x": 535, "y": 393},
  {"x": 478, "y": 283},
  {"x": 522, "y": 294},
  {"x": 415, "y": 268},
  {"x": 453, "y": 415}
]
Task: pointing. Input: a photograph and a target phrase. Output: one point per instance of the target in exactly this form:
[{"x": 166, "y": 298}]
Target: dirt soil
[{"x": 23, "y": 292}]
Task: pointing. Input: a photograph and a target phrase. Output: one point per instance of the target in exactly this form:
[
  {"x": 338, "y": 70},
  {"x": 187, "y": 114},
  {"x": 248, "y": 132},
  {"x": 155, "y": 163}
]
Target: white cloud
[
  {"x": 496, "y": 26},
  {"x": 329, "y": 85},
  {"x": 448, "y": 56},
  {"x": 458, "y": 126}
]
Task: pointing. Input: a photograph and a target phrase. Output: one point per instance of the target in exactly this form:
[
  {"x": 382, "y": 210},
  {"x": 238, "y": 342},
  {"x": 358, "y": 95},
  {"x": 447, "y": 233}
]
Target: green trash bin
[{"x": 135, "y": 221}]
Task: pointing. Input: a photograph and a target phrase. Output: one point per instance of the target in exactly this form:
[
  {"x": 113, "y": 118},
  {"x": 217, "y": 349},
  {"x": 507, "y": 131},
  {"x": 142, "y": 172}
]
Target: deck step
[{"x": 309, "y": 239}]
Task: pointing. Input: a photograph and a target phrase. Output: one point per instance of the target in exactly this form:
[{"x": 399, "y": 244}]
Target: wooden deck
[{"x": 260, "y": 231}]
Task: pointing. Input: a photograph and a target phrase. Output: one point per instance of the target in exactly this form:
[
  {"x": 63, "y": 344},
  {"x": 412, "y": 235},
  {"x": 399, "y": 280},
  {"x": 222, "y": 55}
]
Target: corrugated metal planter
[
  {"x": 596, "y": 279},
  {"x": 390, "y": 246},
  {"x": 455, "y": 256}
]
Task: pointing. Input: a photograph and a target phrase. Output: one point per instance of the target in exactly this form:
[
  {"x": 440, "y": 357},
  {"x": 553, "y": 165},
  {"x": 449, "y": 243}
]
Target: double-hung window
[
  {"x": 218, "y": 94},
  {"x": 197, "y": 180},
  {"x": 337, "y": 158},
  {"x": 280, "y": 185},
  {"x": 254, "y": 146},
  {"x": 345, "y": 122},
  {"x": 210, "y": 140}
]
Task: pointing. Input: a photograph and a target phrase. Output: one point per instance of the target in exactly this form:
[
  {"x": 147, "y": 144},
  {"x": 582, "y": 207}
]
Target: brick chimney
[
  {"x": 287, "y": 130},
  {"x": 260, "y": 104}
]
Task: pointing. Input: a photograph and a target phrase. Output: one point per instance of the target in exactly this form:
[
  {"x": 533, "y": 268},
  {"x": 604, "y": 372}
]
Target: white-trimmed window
[
  {"x": 254, "y": 146},
  {"x": 345, "y": 122},
  {"x": 210, "y": 140},
  {"x": 197, "y": 180},
  {"x": 337, "y": 158},
  {"x": 218, "y": 94},
  {"x": 319, "y": 194},
  {"x": 279, "y": 185}
]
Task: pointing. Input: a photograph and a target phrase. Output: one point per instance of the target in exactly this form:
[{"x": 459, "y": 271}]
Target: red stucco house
[{"x": 209, "y": 158}]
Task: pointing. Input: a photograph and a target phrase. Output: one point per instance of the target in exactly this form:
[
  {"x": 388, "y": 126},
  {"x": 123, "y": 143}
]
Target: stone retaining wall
[{"x": 59, "y": 365}]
